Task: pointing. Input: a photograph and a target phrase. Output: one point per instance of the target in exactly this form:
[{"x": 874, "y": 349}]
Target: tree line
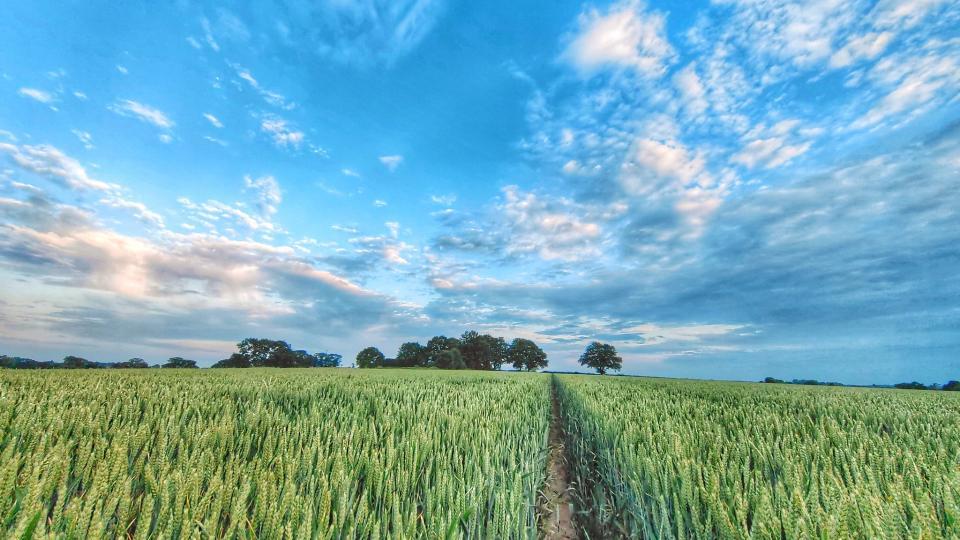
[
  {"x": 950, "y": 386},
  {"x": 251, "y": 352},
  {"x": 472, "y": 350}
]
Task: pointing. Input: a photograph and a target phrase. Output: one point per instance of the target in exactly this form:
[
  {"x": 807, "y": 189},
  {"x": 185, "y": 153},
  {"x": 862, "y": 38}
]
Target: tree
[
  {"x": 75, "y": 362},
  {"x": 7, "y": 362},
  {"x": 236, "y": 360},
  {"x": 772, "y": 380},
  {"x": 601, "y": 357},
  {"x": 268, "y": 353},
  {"x": 525, "y": 354},
  {"x": 180, "y": 363},
  {"x": 370, "y": 357},
  {"x": 482, "y": 351},
  {"x": 133, "y": 363},
  {"x": 412, "y": 354},
  {"x": 322, "y": 359},
  {"x": 439, "y": 344},
  {"x": 952, "y": 386},
  {"x": 451, "y": 359},
  {"x": 911, "y": 386}
]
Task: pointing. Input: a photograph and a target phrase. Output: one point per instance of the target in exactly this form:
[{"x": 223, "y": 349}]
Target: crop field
[
  {"x": 399, "y": 453},
  {"x": 271, "y": 454},
  {"x": 676, "y": 459}
]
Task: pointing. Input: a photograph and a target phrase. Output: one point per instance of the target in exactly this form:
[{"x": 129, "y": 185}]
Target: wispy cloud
[
  {"x": 391, "y": 162},
  {"x": 41, "y": 96},
  {"x": 144, "y": 113},
  {"x": 214, "y": 121}
]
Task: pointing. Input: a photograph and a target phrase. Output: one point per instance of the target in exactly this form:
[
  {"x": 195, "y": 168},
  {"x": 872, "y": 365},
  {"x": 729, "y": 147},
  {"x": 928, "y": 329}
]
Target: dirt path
[{"x": 556, "y": 504}]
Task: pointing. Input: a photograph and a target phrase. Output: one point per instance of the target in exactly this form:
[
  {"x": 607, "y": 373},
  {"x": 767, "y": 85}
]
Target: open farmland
[
  {"x": 661, "y": 458},
  {"x": 392, "y": 453},
  {"x": 267, "y": 454}
]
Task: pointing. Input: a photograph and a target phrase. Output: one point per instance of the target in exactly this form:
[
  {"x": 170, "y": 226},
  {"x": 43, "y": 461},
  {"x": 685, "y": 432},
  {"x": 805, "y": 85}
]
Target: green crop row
[
  {"x": 683, "y": 459},
  {"x": 267, "y": 454}
]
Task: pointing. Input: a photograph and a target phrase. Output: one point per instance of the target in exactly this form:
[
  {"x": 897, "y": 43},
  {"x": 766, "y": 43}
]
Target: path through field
[{"x": 556, "y": 508}]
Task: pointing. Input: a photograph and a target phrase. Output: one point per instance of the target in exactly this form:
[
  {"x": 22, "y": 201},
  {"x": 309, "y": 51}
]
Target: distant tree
[
  {"x": 952, "y": 386},
  {"x": 75, "y": 362},
  {"x": 133, "y": 363},
  {"x": 7, "y": 362},
  {"x": 268, "y": 353},
  {"x": 298, "y": 358},
  {"x": 437, "y": 345},
  {"x": 451, "y": 359},
  {"x": 322, "y": 359},
  {"x": 482, "y": 351},
  {"x": 181, "y": 363},
  {"x": 412, "y": 354},
  {"x": 525, "y": 354},
  {"x": 236, "y": 360},
  {"x": 601, "y": 357},
  {"x": 911, "y": 386},
  {"x": 370, "y": 357},
  {"x": 773, "y": 380}
]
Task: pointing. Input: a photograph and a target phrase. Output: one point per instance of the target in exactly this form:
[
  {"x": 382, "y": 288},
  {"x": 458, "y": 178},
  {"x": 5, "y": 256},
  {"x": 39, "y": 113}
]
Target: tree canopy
[
  {"x": 181, "y": 363},
  {"x": 369, "y": 358},
  {"x": 525, "y": 354},
  {"x": 601, "y": 357}
]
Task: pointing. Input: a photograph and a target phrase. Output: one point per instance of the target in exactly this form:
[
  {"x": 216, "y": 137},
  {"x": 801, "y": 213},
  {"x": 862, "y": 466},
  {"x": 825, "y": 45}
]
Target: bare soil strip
[{"x": 556, "y": 507}]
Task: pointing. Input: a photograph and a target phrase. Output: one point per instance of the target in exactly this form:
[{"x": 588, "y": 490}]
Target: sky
[{"x": 727, "y": 189}]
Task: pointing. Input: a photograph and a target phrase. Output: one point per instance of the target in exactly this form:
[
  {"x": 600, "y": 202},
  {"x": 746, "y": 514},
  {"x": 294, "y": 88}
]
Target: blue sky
[{"x": 728, "y": 189}]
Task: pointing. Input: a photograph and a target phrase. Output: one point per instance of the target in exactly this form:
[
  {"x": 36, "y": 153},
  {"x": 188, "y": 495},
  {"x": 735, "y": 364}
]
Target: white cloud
[
  {"x": 50, "y": 162},
  {"x": 625, "y": 37},
  {"x": 655, "y": 334},
  {"x": 691, "y": 90},
  {"x": 350, "y": 172},
  {"x": 865, "y": 47},
  {"x": 551, "y": 229},
  {"x": 165, "y": 138},
  {"x": 771, "y": 152},
  {"x": 379, "y": 203},
  {"x": 283, "y": 135},
  {"x": 122, "y": 69},
  {"x": 268, "y": 193},
  {"x": 144, "y": 113},
  {"x": 393, "y": 227},
  {"x": 84, "y": 138},
  {"x": 669, "y": 159},
  {"x": 41, "y": 96},
  {"x": 273, "y": 98},
  {"x": 391, "y": 162},
  {"x": 140, "y": 210},
  {"x": 194, "y": 43},
  {"x": 443, "y": 200},
  {"x": 80, "y": 95},
  {"x": 214, "y": 121}
]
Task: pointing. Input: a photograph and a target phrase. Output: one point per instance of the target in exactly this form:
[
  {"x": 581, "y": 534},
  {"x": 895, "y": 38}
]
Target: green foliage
[
  {"x": 236, "y": 360},
  {"x": 451, "y": 359},
  {"x": 322, "y": 359},
  {"x": 133, "y": 363},
  {"x": 660, "y": 458},
  {"x": 412, "y": 354},
  {"x": 369, "y": 358},
  {"x": 75, "y": 362},
  {"x": 437, "y": 345},
  {"x": 601, "y": 357},
  {"x": 271, "y": 454},
  {"x": 180, "y": 363},
  {"x": 525, "y": 354},
  {"x": 952, "y": 386},
  {"x": 482, "y": 351}
]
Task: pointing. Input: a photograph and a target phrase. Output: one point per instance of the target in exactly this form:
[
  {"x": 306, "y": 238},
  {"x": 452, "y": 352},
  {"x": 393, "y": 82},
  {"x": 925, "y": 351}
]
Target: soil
[{"x": 556, "y": 507}]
